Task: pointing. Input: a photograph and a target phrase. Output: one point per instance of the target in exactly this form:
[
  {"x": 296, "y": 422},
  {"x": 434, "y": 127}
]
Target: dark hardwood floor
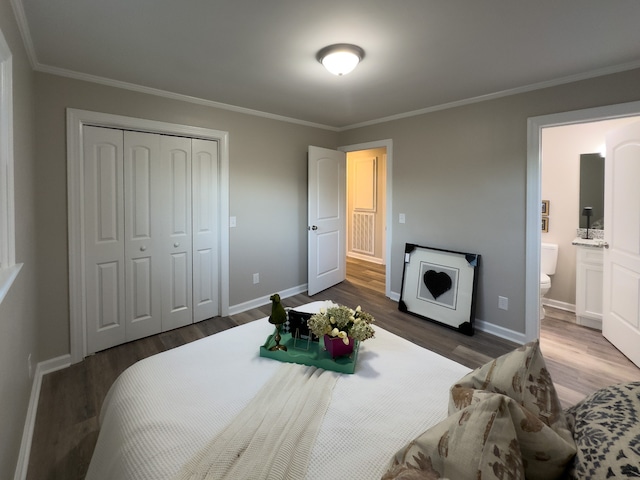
[{"x": 580, "y": 361}]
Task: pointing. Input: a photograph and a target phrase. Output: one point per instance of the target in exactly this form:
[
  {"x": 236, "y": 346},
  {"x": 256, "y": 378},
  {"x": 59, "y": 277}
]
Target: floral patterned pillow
[
  {"x": 606, "y": 428},
  {"x": 545, "y": 454},
  {"x": 479, "y": 441},
  {"x": 522, "y": 375}
]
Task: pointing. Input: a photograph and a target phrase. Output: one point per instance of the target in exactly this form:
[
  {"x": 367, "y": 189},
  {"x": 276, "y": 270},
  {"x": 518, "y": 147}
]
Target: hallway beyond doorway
[{"x": 367, "y": 275}]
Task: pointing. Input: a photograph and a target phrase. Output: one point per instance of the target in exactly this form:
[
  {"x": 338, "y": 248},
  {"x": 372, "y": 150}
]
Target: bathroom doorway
[
  {"x": 536, "y": 125},
  {"x": 561, "y": 149}
]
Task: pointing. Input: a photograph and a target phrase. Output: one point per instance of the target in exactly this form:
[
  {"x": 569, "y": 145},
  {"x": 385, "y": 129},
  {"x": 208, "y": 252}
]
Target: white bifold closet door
[
  {"x": 205, "y": 229},
  {"x": 176, "y": 216},
  {"x": 151, "y": 260}
]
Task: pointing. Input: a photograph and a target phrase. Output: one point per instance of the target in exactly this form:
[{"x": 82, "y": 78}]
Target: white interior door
[
  {"x": 104, "y": 269},
  {"x": 327, "y": 218},
  {"x": 621, "y": 295},
  {"x": 143, "y": 229},
  {"x": 177, "y": 268},
  {"x": 205, "y": 231}
]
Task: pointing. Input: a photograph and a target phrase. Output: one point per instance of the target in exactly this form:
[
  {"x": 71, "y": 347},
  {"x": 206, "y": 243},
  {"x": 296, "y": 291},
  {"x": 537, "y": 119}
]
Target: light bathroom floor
[{"x": 580, "y": 360}]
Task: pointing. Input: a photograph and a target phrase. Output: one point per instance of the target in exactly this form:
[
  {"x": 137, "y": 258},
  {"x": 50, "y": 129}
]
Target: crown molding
[
  {"x": 25, "y": 32},
  {"x": 36, "y": 65},
  {"x": 504, "y": 93},
  {"x": 174, "y": 96}
]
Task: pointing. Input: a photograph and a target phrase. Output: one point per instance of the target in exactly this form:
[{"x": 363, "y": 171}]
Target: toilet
[{"x": 548, "y": 262}]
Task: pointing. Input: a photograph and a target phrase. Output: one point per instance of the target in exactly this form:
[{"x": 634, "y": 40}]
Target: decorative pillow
[
  {"x": 522, "y": 375},
  {"x": 545, "y": 454},
  {"x": 606, "y": 428},
  {"x": 479, "y": 441}
]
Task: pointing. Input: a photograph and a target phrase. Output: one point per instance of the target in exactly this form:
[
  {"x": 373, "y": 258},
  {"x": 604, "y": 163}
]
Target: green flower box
[{"x": 309, "y": 353}]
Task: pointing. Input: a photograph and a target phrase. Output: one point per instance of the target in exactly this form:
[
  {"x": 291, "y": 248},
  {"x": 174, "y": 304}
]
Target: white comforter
[{"x": 164, "y": 409}]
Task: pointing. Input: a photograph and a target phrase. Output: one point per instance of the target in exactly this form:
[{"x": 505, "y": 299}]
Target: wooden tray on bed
[{"x": 309, "y": 353}]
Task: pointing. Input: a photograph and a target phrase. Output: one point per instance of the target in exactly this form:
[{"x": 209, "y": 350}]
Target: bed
[
  {"x": 405, "y": 413},
  {"x": 164, "y": 409}
]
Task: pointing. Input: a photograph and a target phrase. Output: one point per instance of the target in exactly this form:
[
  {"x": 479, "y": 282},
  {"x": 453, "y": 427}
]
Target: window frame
[{"x": 8, "y": 268}]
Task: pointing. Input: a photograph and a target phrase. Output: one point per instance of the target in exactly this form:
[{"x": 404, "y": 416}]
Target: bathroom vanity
[{"x": 589, "y": 261}]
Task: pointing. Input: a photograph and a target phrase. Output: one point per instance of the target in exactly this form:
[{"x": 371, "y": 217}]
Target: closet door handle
[
  {"x": 176, "y": 245},
  {"x": 143, "y": 248}
]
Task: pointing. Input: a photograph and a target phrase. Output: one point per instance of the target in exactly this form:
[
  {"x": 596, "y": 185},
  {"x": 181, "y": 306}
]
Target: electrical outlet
[
  {"x": 232, "y": 222},
  {"x": 256, "y": 278},
  {"x": 503, "y": 303},
  {"x": 402, "y": 218}
]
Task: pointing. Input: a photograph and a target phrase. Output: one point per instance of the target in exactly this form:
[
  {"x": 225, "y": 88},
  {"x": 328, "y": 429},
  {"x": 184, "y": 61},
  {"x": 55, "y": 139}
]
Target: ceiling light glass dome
[{"x": 341, "y": 58}]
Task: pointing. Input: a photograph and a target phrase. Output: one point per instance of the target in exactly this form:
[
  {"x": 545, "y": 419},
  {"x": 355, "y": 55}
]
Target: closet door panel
[
  {"x": 179, "y": 301},
  {"x": 177, "y": 264},
  {"x": 104, "y": 237},
  {"x": 205, "y": 231},
  {"x": 142, "y": 174}
]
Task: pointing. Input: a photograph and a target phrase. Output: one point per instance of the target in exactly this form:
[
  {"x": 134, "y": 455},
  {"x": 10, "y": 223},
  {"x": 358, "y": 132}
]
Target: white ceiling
[{"x": 260, "y": 54}]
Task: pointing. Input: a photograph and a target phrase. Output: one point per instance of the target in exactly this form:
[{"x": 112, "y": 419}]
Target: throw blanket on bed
[{"x": 273, "y": 436}]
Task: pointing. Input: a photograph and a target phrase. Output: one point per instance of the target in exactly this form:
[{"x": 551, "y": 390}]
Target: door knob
[
  {"x": 314, "y": 227},
  {"x": 176, "y": 245},
  {"x": 143, "y": 248}
]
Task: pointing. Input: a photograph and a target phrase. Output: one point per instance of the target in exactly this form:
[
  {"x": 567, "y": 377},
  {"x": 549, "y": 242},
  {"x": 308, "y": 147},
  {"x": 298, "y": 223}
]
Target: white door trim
[
  {"x": 388, "y": 144},
  {"x": 533, "y": 197},
  {"x": 76, "y": 119}
]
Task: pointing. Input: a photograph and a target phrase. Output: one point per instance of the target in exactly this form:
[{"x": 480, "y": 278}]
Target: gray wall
[
  {"x": 267, "y": 184},
  {"x": 459, "y": 175},
  {"x": 18, "y": 316}
]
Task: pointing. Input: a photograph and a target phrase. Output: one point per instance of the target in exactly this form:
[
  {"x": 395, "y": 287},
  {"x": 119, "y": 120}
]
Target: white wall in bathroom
[{"x": 561, "y": 150}]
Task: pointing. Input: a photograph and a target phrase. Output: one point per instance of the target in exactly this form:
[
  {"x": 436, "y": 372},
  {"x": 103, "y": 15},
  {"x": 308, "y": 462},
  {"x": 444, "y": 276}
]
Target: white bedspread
[{"x": 166, "y": 408}]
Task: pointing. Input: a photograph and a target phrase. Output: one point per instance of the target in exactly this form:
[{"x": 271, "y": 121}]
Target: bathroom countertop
[{"x": 590, "y": 242}]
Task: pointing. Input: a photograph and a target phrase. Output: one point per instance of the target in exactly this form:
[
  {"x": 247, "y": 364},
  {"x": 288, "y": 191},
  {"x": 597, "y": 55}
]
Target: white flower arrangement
[{"x": 342, "y": 322}]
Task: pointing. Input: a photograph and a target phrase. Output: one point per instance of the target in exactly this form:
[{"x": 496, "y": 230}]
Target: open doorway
[
  {"x": 572, "y": 177},
  {"x": 534, "y": 196},
  {"x": 369, "y": 224},
  {"x": 366, "y": 219}
]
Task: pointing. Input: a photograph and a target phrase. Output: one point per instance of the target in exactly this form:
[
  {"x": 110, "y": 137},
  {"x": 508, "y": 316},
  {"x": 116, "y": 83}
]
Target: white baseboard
[
  {"x": 42, "y": 369},
  {"x": 486, "y": 327},
  {"x": 499, "y": 331},
  {"x": 595, "y": 323},
  {"x": 366, "y": 258},
  {"x": 568, "y": 307},
  {"x": 259, "y": 302}
]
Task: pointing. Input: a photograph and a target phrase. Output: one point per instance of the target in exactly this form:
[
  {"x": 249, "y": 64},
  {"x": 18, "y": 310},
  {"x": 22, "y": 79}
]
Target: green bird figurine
[{"x": 278, "y": 317}]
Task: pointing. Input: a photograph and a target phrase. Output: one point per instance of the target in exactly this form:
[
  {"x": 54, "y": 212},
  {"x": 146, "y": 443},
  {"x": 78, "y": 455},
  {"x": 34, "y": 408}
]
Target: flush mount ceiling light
[{"x": 340, "y": 58}]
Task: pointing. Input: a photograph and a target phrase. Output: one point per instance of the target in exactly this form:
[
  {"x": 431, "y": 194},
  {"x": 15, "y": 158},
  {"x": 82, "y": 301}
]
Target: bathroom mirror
[{"x": 592, "y": 189}]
